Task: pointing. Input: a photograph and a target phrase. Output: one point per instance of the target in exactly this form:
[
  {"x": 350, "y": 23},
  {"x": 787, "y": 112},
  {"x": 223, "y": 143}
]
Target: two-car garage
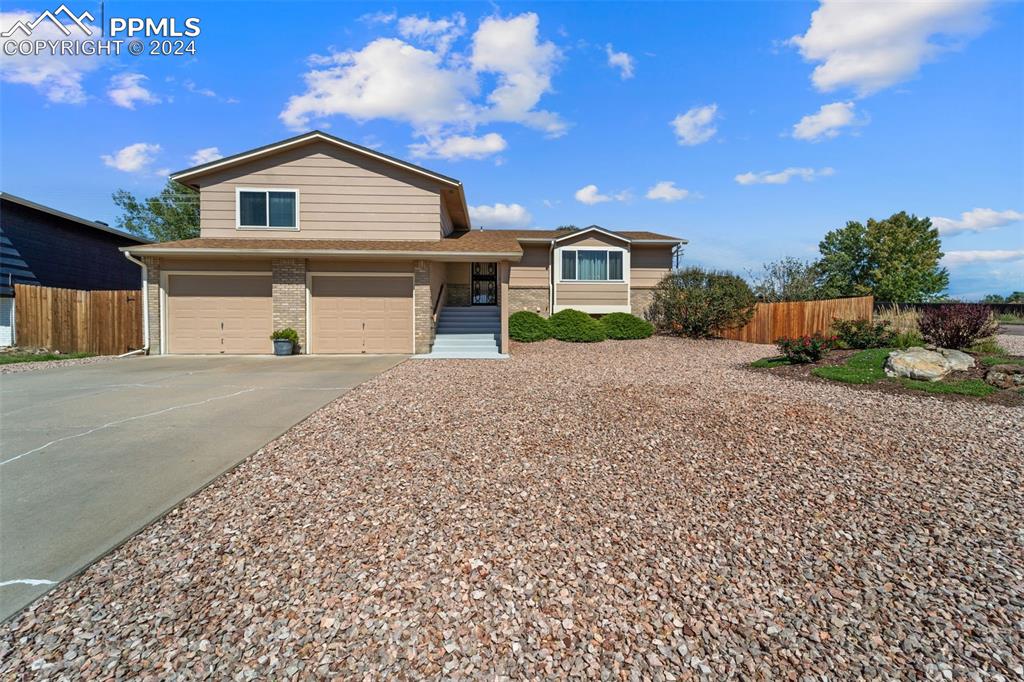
[{"x": 232, "y": 312}]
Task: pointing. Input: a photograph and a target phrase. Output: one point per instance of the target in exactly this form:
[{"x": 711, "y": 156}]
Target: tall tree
[
  {"x": 896, "y": 259},
  {"x": 787, "y": 279},
  {"x": 845, "y": 265},
  {"x": 904, "y": 254},
  {"x": 169, "y": 216}
]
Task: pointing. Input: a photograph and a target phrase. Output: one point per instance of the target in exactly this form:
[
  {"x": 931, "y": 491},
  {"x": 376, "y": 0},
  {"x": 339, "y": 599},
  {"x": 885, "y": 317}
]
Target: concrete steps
[{"x": 471, "y": 332}]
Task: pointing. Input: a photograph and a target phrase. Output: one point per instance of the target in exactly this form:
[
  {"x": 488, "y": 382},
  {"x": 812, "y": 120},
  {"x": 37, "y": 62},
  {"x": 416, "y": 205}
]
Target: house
[
  {"x": 41, "y": 245},
  {"x": 361, "y": 252}
]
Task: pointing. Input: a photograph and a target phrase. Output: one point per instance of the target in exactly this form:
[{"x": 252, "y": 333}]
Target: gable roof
[
  {"x": 95, "y": 224},
  {"x": 632, "y": 236},
  {"x": 190, "y": 174}
]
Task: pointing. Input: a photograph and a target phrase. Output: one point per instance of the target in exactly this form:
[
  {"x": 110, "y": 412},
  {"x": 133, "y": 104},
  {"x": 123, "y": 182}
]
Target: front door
[{"x": 484, "y": 290}]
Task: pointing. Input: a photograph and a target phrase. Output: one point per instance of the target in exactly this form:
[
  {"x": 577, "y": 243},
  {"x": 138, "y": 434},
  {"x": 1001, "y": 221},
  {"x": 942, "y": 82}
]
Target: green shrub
[
  {"x": 700, "y": 303},
  {"x": 864, "y": 333},
  {"x": 806, "y": 348},
  {"x": 626, "y": 326},
  {"x": 907, "y": 339},
  {"x": 528, "y": 326},
  {"x": 288, "y": 334},
  {"x": 573, "y": 325}
]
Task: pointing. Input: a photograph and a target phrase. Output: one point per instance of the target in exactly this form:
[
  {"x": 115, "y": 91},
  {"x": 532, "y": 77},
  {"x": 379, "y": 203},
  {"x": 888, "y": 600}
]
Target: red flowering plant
[{"x": 804, "y": 349}]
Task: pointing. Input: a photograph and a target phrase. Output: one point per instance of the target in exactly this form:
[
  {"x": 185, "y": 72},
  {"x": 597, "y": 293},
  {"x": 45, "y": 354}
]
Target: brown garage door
[
  {"x": 361, "y": 314},
  {"x": 219, "y": 314}
]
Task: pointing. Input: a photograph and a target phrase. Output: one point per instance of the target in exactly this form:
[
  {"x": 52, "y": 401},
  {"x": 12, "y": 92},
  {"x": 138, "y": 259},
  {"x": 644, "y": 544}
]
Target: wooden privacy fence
[
  {"x": 773, "y": 321},
  {"x": 75, "y": 321}
]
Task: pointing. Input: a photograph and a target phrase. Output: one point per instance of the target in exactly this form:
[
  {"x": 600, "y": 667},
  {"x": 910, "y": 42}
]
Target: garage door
[
  {"x": 361, "y": 314},
  {"x": 219, "y": 314}
]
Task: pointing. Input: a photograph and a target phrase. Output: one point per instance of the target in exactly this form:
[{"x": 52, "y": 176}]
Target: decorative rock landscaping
[
  {"x": 1005, "y": 376},
  {"x": 917, "y": 363},
  {"x": 625, "y": 510}
]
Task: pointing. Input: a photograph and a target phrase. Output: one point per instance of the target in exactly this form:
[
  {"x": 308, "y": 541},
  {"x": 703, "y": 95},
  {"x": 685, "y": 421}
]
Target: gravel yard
[
  {"x": 1013, "y": 343},
  {"x": 20, "y": 367},
  {"x": 643, "y": 509}
]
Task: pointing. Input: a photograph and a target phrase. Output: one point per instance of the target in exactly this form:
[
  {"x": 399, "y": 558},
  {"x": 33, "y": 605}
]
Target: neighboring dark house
[{"x": 44, "y": 246}]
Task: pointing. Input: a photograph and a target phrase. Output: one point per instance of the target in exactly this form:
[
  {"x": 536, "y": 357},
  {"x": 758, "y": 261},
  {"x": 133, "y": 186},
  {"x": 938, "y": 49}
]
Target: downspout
[
  {"x": 145, "y": 308},
  {"x": 551, "y": 282}
]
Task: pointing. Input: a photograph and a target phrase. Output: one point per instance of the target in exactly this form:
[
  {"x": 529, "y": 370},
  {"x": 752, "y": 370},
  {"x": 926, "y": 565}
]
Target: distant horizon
[{"x": 749, "y": 129}]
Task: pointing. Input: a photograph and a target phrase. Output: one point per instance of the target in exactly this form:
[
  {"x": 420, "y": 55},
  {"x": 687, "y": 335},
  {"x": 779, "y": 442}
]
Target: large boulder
[
  {"x": 917, "y": 363},
  {"x": 958, "y": 360},
  {"x": 1005, "y": 376}
]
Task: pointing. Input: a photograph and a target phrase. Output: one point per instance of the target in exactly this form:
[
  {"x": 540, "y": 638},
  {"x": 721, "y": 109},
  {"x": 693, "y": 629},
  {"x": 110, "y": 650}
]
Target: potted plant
[{"x": 285, "y": 341}]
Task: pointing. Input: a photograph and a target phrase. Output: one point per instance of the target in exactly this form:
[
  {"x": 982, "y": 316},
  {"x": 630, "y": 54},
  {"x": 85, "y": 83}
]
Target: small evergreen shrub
[
  {"x": 957, "y": 325},
  {"x": 626, "y": 326},
  {"x": 907, "y": 339},
  {"x": 576, "y": 326},
  {"x": 528, "y": 326},
  {"x": 864, "y": 333},
  {"x": 805, "y": 349}
]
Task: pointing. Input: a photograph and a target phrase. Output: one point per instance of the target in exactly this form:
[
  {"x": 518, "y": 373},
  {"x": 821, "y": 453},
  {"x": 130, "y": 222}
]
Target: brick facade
[
  {"x": 424, "y": 317},
  {"x": 535, "y": 300},
  {"x": 457, "y": 294},
  {"x": 640, "y": 300},
  {"x": 289, "y": 292},
  {"x": 153, "y": 302}
]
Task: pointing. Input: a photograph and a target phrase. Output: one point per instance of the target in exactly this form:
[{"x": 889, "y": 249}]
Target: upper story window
[
  {"x": 591, "y": 265},
  {"x": 268, "y": 208}
]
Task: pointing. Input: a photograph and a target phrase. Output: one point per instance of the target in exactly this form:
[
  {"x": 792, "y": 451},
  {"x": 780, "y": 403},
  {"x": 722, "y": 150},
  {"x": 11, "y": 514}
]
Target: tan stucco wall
[{"x": 342, "y": 195}]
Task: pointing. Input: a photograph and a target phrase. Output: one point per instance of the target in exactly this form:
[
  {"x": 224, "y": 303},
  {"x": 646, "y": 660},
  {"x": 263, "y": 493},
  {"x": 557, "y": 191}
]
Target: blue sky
[{"x": 748, "y": 128}]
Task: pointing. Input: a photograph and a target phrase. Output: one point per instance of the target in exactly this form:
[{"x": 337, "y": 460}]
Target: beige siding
[
  {"x": 437, "y": 278},
  {"x": 342, "y": 195},
  {"x": 648, "y": 264},
  {"x": 592, "y": 294},
  {"x": 593, "y": 239},
  {"x": 533, "y": 270}
]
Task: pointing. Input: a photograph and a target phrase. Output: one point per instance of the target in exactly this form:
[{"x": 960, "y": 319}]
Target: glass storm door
[{"x": 484, "y": 284}]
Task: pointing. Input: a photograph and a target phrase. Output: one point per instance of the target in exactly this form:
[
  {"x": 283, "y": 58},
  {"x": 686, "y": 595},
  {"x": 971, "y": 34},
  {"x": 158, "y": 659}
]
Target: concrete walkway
[{"x": 91, "y": 454}]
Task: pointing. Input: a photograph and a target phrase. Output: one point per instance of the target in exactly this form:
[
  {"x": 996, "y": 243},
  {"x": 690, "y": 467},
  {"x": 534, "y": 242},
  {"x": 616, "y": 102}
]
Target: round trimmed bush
[
  {"x": 527, "y": 326},
  {"x": 626, "y": 326},
  {"x": 573, "y": 325}
]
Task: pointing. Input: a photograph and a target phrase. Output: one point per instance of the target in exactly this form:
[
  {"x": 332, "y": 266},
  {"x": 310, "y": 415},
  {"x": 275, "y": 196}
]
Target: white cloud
[
  {"x": 511, "y": 49},
  {"x": 590, "y": 195},
  {"x": 378, "y": 17},
  {"x": 869, "y": 46},
  {"x": 696, "y": 126},
  {"x": 621, "y": 61},
  {"x": 782, "y": 177},
  {"x": 206, "y": 155},
  {"x": 191, "y": 86},
  {"x": 133, "y": 158},
  {"x": 954, "y": 258},
  {"x": 433, "y": 91},
  {"x": 459, "y": 147},
  {"x": 58, "y": 78},
  {"x": 828, "y": 122},
  {"x": 666, "y": 190},
  {"x": 126, "y": 89},
  {"x": 439, "y": 34},
  {"x": 500, "y": 216},
  {"x": 976, "y": 220}
]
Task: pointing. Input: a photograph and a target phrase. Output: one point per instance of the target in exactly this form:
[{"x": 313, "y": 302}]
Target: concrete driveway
[{"x": 91, "y": 454}]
